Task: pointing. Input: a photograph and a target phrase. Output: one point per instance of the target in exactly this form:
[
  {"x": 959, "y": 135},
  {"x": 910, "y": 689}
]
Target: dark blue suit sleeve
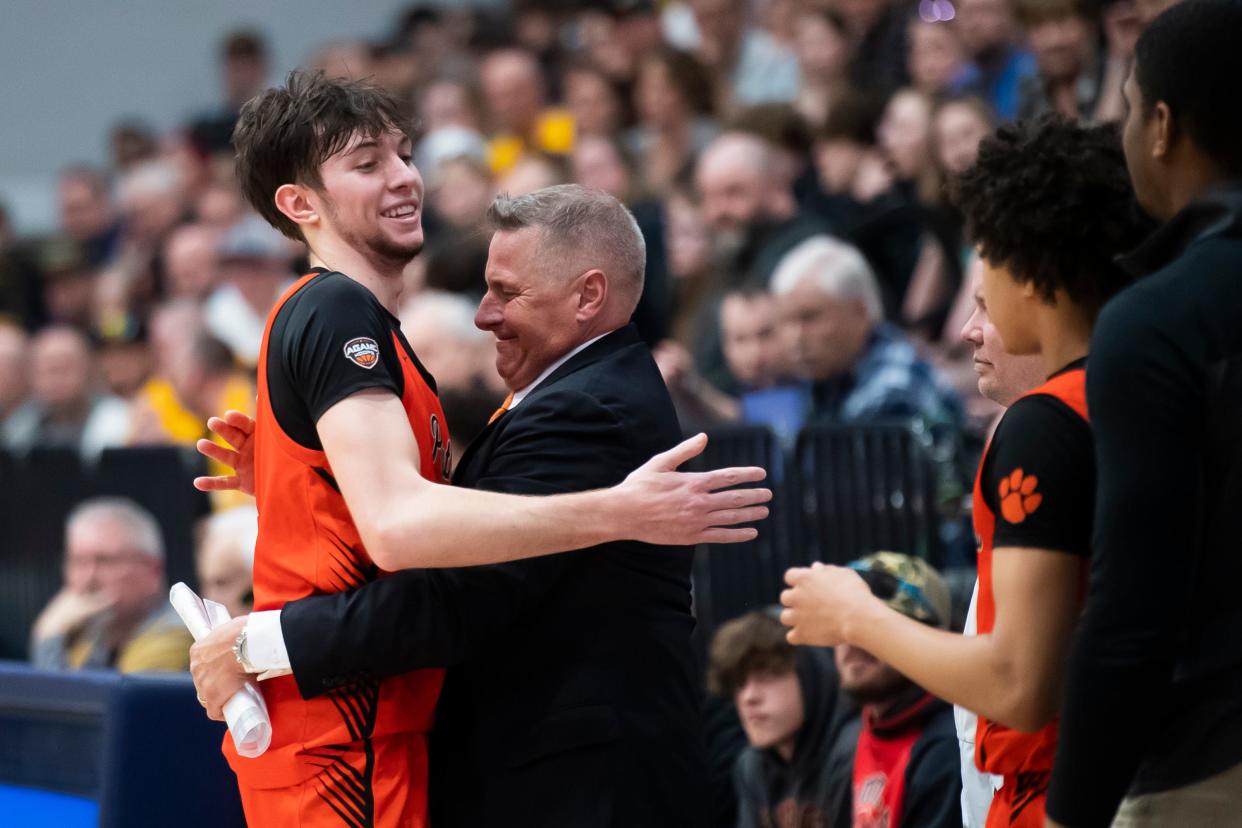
[{"x": 552, "y": 443}]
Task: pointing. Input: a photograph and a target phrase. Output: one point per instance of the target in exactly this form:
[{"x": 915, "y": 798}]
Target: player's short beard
[
  {"x": 377, "y": 246},
  {"x": 395, "y": 253},
  {"x": 382, "y": 251},
  {"x": 892, "y": 685}
]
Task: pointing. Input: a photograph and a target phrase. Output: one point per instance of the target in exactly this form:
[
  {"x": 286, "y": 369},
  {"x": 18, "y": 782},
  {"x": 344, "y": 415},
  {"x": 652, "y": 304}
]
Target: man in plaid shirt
[{"x": 857, "y": 368}]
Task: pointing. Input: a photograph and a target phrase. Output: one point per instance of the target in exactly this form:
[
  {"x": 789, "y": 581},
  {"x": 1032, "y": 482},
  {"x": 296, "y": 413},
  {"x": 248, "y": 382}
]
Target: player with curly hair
[{"x": 1049, "y": 206}]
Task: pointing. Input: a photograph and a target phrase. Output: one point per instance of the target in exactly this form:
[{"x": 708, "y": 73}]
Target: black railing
[
  {"x": 843, "y": 492},
  {"x": 38, "y": 490}
]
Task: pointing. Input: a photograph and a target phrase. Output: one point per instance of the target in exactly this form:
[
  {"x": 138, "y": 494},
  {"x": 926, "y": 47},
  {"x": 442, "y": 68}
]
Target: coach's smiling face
[{"x": 536, "y": 312}]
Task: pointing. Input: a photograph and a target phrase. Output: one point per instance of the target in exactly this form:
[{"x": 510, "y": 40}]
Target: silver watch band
[{"x": 240, "y": 653}]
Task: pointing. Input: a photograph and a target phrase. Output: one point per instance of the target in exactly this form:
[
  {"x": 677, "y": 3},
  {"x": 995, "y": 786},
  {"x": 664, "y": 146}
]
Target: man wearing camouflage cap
[{"x": 905, "y": 763}]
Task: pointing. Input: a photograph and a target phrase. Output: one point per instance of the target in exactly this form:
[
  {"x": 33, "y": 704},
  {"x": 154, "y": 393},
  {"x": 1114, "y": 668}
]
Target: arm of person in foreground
[
  {"x": 563, "y": 441},
  {"x": 1146, "y": 405},
  {"x": 407, "y": 521},
  {"x": 1011, "y": 675}
]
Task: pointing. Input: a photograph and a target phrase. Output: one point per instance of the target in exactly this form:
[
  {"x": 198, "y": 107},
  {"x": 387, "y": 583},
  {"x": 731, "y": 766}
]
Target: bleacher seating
[
  {"x": 162, "y": 763},
  {"x": 159, "y": 478},
  {"x": 732, "y": 579},
  {"x": 864, "y": 489},
  {"x": 844, "y": 492},
  {"x": 37, "y": 493}
]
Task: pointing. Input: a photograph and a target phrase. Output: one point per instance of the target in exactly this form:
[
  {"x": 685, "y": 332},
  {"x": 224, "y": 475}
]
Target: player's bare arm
[
  {"x": 1012, "y": 675},
  {"x": 407, "y": 521}
]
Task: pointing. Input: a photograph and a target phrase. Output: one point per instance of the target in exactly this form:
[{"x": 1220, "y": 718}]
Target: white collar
[{"x": 518, "y": 396}]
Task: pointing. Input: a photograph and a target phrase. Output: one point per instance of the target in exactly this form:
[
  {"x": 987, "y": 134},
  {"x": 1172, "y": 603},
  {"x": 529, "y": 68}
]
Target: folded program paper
[{"x": 246, "y": 712}]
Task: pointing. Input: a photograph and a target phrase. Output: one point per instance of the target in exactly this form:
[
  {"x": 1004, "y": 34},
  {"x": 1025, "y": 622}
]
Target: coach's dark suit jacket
[{"x": 570, "y": 698}]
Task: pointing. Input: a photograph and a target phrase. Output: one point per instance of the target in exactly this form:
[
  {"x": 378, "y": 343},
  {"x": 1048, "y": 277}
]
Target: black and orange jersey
[
  {"x": 327, "y": 338},
  {"x": 1035, "y": 489}
]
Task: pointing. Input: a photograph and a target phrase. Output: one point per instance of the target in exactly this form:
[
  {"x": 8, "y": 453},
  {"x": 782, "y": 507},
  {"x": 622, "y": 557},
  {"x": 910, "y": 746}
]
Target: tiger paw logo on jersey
[
  {"x": 363, "y": 352},
  {"x": 1018, "y": 496}
]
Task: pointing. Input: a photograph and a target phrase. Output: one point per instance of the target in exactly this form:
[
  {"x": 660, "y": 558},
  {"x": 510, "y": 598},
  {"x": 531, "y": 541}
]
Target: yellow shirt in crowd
[
  {"x": 553, "y": 134},
  {"x": 184, "y": 428},
  {"x": 161, "y": 643}
]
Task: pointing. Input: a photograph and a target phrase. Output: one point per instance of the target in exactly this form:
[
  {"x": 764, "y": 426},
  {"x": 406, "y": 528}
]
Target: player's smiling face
[{"x": 372, "y": 196}]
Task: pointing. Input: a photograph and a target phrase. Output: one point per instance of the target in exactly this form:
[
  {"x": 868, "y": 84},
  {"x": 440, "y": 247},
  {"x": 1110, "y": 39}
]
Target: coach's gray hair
[
  {"x": 833, "y": 266},
  {"x": 581, "y": 226},
  {"x": 144, "y": 532}
]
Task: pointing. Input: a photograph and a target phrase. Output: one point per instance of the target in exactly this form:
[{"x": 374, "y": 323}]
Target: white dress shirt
[
  {"x": 978, "y": 787},
  {"x": 265, "y": 641}
]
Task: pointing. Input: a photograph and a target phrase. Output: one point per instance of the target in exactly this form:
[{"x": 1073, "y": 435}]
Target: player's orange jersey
[
  {"x": 326, "y": 338},
  {"x": 1024, "y": 759}
]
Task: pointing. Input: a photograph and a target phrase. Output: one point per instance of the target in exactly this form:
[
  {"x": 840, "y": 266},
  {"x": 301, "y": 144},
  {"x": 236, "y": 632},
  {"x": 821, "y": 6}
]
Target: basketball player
[
  {"x": 1049, "y": 206},
  {"x": 351, "y": 448}
]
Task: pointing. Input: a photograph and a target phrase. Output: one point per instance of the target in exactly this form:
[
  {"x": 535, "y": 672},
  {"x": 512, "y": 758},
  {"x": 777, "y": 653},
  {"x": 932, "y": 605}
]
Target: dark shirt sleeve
[
  {"x": 725, "y": 742},
  {"x": 334, "y": 340},
  {"x": 1038, "y": 477},
  {"x": 562, "y": 442},
  {"x": 933, "y": 797},
  {"x": 1143, "y": 396},
  {"x": 747, "y": 777}
]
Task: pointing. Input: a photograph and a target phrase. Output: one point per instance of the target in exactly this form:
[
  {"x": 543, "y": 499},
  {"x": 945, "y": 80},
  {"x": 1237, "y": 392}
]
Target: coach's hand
[
  {"x": 658, "y": 504},
  {"x": 217, "y": 675},
  {"x": 237, "y": 429}
]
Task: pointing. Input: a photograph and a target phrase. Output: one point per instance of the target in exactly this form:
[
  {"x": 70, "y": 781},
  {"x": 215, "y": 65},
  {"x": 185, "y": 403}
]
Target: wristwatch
[{"x": 241, "y": 654}]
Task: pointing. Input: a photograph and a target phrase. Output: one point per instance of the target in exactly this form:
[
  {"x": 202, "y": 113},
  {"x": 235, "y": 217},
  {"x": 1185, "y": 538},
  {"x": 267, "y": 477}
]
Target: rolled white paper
[{"x": 246, "y": 712}]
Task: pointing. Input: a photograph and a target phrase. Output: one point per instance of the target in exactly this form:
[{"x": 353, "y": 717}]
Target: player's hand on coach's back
[
  {"x": 237, "y": 429},
  {"x": 662, "y": 505}
]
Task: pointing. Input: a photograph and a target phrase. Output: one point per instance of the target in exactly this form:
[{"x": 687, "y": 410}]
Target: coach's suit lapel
[
  {"x": 613, "y": 342},
  {"x": 479, "y": 449}
]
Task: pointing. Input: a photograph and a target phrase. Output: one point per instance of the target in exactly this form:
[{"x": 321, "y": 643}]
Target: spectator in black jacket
[
  {"x": 812, "y": 760},
  {"x": 1153, "y": 707},
  {"x": 801, "y": 729}
]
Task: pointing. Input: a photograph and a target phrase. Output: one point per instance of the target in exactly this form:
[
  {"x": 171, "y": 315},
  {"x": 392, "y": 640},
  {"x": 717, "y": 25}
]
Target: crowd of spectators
[
  {"x": 737, "y": 132},
  {"x": 836, "y": 736},
  {"x": 785, "y": 161}
]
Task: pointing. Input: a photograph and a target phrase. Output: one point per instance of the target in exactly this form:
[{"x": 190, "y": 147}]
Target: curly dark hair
[
  {"x": 284, "y": 134},
  {"x": 1051, "y": 201}
]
